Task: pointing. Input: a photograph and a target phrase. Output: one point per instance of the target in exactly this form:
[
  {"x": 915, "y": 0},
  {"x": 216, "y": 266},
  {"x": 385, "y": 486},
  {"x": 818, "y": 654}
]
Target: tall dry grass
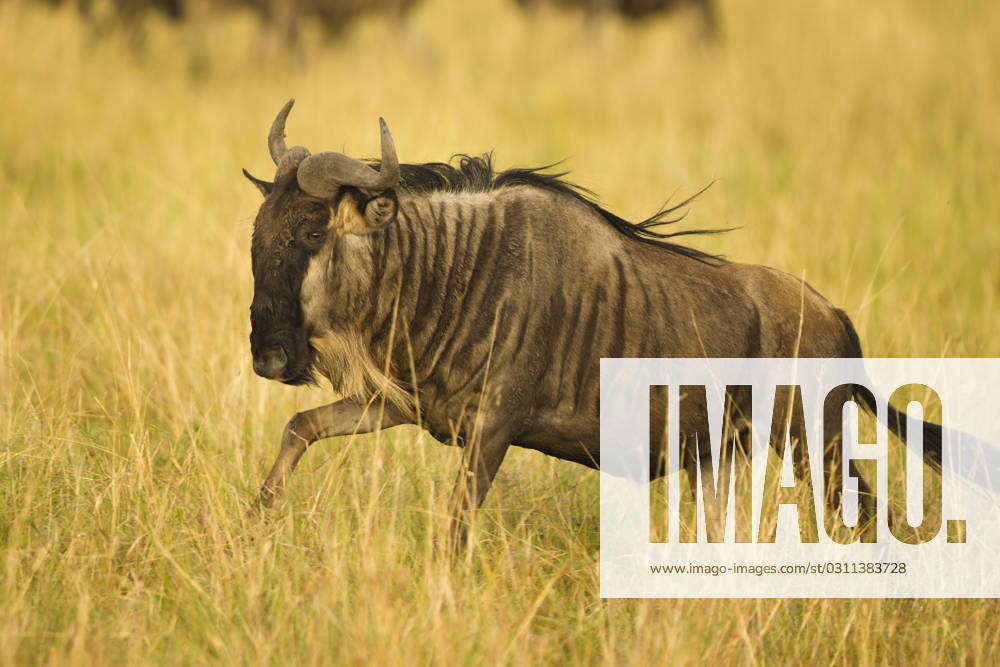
[{"x": 854, "y": 142}]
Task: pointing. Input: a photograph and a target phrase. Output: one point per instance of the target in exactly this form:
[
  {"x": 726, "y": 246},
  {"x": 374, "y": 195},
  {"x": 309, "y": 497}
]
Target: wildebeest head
[{"x": 313, "y": 201}]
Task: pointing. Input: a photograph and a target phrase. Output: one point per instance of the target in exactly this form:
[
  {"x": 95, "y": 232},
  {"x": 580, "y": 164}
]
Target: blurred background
[{"x": 854, "y": 143}]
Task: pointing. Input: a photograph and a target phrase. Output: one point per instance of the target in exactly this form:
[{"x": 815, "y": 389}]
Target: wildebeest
[
  {"x": 129, "y": 15},
  {"x": 281, "y": 20},
  {"x": 637, "y": 10},
  {"x": 478, "y": 304}
]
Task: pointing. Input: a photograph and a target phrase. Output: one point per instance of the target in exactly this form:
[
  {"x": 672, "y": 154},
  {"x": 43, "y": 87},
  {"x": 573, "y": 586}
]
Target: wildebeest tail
[{"x": 896, "y": 419}]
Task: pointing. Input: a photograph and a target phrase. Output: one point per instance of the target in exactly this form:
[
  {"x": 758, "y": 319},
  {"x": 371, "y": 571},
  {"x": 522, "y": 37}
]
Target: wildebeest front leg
[
  {"x": 327, "y": 421},
  {"x": 480, "y": 461}
]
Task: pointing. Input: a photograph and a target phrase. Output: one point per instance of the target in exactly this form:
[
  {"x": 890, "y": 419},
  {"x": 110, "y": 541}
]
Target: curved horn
[
  {"x": 389, "y": 169},
  {"x": 323, "y": 173},
  {"x": 276, "y": 137}
]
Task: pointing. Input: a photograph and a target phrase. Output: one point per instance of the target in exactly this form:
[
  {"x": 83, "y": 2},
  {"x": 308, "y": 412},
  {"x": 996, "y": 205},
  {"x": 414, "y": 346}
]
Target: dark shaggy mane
[{"x": 476, "y": 174}]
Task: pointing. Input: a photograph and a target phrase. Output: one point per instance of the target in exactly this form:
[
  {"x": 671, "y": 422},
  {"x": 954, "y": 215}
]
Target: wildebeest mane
[{"x": 476, "y": 174}]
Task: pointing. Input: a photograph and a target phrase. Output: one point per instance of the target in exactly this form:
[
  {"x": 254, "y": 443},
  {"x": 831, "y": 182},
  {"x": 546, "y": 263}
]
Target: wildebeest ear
[
  {"x": 356, "y": 213},
  {"x": 380, "y": 211},
  {"x": 264, "y": 186}
]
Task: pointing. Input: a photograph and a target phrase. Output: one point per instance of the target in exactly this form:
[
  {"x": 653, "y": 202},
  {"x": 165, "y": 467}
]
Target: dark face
[{"x": 290, "y": 227}]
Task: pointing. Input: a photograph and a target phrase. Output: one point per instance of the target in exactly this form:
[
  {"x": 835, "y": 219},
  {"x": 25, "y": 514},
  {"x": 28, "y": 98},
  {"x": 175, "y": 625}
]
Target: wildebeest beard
[{"x": 337, "y": 352}]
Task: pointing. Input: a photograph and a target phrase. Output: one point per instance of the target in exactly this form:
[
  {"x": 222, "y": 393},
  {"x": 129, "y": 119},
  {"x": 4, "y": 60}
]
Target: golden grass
[{"x": 855, "y": 142}]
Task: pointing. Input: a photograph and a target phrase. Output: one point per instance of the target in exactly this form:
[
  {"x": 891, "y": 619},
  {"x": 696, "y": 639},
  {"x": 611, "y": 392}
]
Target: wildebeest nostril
[{"x": 270, "y": 363}]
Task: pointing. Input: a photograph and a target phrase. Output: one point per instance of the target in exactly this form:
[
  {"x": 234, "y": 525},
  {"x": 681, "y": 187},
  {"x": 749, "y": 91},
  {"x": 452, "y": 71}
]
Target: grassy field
[{"x": 855, "y": 143}]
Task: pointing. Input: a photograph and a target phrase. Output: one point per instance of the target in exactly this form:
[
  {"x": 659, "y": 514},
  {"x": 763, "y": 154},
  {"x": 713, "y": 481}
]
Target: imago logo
[{"x": 800, "y": 477}]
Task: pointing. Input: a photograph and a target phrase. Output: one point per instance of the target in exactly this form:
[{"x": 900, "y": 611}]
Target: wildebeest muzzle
[{"x": 279, "y": 345}]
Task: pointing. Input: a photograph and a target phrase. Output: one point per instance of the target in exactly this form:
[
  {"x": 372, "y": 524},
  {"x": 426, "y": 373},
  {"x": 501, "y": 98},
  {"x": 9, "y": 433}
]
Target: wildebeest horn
[
  {"x": 389, "y": 169},
  {"x": 276, "y": 137},
  {"x": 323, "y": 173}
]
